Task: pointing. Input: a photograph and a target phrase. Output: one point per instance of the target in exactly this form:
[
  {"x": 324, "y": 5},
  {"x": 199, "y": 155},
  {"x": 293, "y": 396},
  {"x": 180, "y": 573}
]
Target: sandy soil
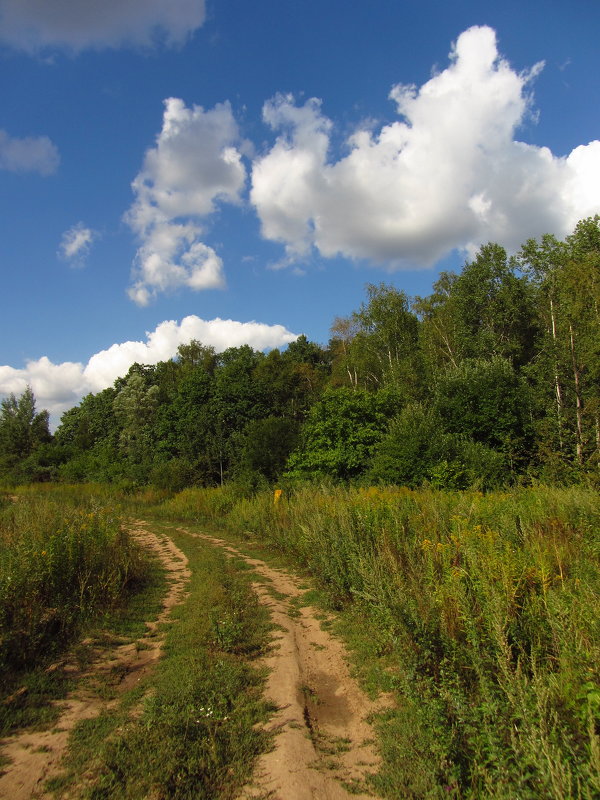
[
  {"x": 323, "y": 737},
  {"x": 35, "y": 756}
]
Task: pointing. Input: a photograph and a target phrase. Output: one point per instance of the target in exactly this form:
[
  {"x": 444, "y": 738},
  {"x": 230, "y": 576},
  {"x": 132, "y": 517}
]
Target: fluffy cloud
[
  {"x": 59, "y": 386},
  {"x": 56, "y": 386},
  {"x": 448, "y": 174},
  {"x": 196, "y": 163},
  {"x": 75, "y": 244},
  {"x": 30, "y": 154},
  {"x": 32, "y": 25}
]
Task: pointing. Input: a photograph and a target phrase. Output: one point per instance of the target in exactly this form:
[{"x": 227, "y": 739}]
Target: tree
[
  {"x": 289, "y": 381},
  {"x": 266, "y": 446},
  {"x": 409, "y": 450},
  {"x": 487, "y": 402},
  {"x": 93, "y": 420},
  {"x": 441, "y": 330},
  {"x": 567, "y": 369},
  {"x": 22, "y": 429},
  {"x": 135, "y": 408},
  {"x": 417, "y": 449},
  {"x": 184, "y": 428},
  {"x": 378, "y": 345},
  {"x": 495, "y": 308},
  {"x": 580, "y": 287},
  {"x": 195, "y": 354},
  {"x": 541, "y": 261},
  {"x": 339, "y": 435},
  {"x": 237, "y": 397}
]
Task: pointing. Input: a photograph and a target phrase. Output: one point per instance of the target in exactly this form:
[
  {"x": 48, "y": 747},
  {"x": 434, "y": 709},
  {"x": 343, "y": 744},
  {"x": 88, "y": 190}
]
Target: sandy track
[
  {"x": 36, "y": 756},
  {"x": 323, "y": 737}
]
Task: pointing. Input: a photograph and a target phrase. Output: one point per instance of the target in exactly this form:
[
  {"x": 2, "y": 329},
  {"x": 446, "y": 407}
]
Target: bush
[
  {"x": 417, "y": 450},
  {"x": 173, "y": 475}
]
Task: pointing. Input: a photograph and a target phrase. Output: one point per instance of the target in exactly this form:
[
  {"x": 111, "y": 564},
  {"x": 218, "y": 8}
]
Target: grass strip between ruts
[{"x": 192, "y": 728}]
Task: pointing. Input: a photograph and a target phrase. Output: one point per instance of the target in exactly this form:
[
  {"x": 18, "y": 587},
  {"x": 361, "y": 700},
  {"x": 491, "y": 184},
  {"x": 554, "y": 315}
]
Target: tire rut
[
  {"x": 324, "y": 744},
  {"x": 35, "y": 756}
]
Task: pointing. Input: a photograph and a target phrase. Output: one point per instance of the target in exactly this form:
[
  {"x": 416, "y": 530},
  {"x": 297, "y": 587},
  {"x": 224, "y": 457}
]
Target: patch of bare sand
[
  {"x": 324, "y": 742},
  {"x": 35, "y": 756}
]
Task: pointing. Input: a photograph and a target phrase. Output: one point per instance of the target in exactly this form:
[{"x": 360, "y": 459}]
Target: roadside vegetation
[
  {"x": 478, "y": 611},
  {"x": 65, "y": 564}
]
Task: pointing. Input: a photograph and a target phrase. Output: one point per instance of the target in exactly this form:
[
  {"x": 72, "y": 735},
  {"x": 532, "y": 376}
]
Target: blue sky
[{"x": 170, "y": 169}]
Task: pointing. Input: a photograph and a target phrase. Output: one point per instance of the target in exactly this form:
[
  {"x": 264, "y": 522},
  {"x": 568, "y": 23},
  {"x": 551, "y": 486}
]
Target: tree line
[{"x": 492, "y": 379}]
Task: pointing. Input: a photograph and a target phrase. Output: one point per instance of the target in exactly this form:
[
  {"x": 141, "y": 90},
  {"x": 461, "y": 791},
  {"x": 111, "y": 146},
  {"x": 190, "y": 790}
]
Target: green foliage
[
  {"x": 237, "y": 398},
  {"x": 567, "y": 368},
  {"x": 495, "y": 308},
  {"x": 340, "y": 433},
  {"x": 266, "y": 445},
  {"x": 417, "y": 449},
  {"x": 102, "y": 463},
  {"x": 173, "y": 475},
  {"x": 22, "y": 431},
  {"x": 92, "y": 421},
  {"x": 377, "y": 346},
  {"x": 135, "y": 407},
  {"x": 488, "y": 403},
  {"x": 184, "y": 424},
  {"x": 409, "y": 450}
]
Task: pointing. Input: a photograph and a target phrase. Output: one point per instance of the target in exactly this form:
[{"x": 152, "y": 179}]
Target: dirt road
[
  {"x": 35, "y": 756},
  {"x": 324, "y": 743}
]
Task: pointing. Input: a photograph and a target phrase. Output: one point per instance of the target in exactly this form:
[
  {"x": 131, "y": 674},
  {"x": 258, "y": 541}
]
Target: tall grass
[
  {"x": 486, "y": 608},
  {"x": 62, "y": 560},
  {"x": 209, "y": 505}
]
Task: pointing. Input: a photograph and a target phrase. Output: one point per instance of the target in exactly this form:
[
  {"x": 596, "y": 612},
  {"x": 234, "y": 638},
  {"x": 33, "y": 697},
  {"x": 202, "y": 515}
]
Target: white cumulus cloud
[
  {"x": 60, "y": 386},
  {"x": 195, "y": 164},
  {"x": 75, "y": 244},
  {"x": 33, "y": 25},
  {"x": 449, "y": 173},
  {"x": 29, "y": 154}
]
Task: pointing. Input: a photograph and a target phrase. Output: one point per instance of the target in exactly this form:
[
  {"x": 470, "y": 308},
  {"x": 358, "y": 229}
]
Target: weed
[{"x": 67, "y": 566}]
